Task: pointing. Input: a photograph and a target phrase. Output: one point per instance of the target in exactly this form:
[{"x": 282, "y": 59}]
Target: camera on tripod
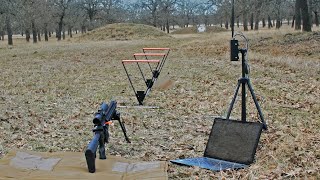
[{"x": 234, "y": 50}]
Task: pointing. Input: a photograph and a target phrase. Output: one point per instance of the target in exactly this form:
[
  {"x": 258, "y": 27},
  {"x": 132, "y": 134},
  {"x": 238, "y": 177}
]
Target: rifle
[{"x": 101, "y": 122}]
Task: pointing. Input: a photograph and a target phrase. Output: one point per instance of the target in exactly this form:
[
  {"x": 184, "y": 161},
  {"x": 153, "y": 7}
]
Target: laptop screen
[{"x": 234, "y": 141}]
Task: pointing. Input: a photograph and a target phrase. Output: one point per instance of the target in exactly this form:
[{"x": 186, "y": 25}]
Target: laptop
[{"x": 232, "y": 144}]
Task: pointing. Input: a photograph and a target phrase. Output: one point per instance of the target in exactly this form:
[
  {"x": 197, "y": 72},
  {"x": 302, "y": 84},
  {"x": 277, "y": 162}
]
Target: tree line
[{"x": 43, "y": 18}]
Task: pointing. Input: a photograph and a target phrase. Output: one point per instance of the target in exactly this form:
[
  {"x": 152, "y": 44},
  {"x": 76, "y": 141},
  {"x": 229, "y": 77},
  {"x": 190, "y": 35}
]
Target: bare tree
[
  {"x": 297, "y": 15},
  {"x": 92, "y": 7},
  {"x": 32, "y": 14},
  {"x": 8, "y": 11},
  {"x": 186, "y": 12},
  {"x": 166, "y": 9},
  {"x": 9, "y": 29},
  {"x": 245, "y": 15},
  {"x": 74, "y": 16},
  {"x": 224, "y": 10},
  {"x": 315, "y": 8},
  {"x": 60, "y": 10},
  {"x": 278, "y": 6},
  {"x": 204, "y": 13},
  {"x": 152, "y": 6},
  {"x": 113, "y": 11},
  {"x": 1, "y": 26},
  {"x": 302, "y": 11},
  {"x": 306, "y": 23},
  {"x": 258, "y": 7}
]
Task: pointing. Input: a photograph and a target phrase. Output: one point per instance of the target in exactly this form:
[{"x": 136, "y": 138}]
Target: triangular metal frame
[{"x": 155, "y": 72}]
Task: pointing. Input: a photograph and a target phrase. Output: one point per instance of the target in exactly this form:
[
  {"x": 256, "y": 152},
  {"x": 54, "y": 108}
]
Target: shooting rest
[
  {"x": 232, "y": 145},
  {"x": 144, "y": 58}
]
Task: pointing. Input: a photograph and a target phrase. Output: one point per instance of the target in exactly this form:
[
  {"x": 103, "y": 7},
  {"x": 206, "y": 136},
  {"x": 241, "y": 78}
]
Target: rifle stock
[{"x": 91, "y": 153}]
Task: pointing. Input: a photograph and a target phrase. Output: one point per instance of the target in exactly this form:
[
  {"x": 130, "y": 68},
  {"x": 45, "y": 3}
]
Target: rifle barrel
[{"x": 111, "y": 110}]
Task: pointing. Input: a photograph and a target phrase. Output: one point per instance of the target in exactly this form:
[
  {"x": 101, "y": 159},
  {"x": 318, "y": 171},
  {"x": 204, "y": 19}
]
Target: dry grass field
[{"x": 49, "y": 92}]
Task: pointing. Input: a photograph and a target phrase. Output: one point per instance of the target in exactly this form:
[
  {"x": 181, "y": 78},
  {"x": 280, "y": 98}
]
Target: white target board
[{"x": 201, "y": 28}]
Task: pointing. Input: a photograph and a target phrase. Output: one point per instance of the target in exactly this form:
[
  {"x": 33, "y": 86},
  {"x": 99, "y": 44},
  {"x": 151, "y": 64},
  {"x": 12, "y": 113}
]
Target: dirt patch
[{"x": 124, "y": 31}]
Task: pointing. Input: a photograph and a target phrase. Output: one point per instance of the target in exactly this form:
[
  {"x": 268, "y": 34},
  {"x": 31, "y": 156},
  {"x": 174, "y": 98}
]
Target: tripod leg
[
  {"x": 233, "y": 100},
  {"x": 257, "y": 106},
  {"x": 243, "y": 102}
]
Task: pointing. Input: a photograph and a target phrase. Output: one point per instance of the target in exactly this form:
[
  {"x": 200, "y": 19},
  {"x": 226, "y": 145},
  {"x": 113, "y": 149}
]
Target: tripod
[{"x": 243, "y": 81}]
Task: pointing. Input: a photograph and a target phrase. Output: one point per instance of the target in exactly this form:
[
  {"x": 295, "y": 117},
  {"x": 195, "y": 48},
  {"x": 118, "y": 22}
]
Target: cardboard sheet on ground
[{"x": 72, "y": 165}]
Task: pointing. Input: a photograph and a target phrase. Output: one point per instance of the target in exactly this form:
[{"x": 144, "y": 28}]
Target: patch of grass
[{"x": 48, "y": 99}]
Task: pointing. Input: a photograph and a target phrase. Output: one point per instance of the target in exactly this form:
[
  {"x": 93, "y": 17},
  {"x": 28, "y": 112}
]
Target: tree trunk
[
  {"x": 34, "y": 32},
  {"x": 251, "y": 21},
  {"x": 91, "y": 24},
  {"x": 154, "y": 19},
  {"x": 168, "y": 26},
  {"x": 226, "y": 25},
  {"x": 238, "y": 22},
  {"x": 245, "y": 22},
  {"x": 50, "y": 33},
  {"x": 2, "y": 35},
  {"x": 70, "y": 32},
  {"x": 293, "y": 19},
  {"x": 278, "y": 23},
  {"x": 63, "y": 34},
  {"x": 27, "y": 35},
  {"x": 83, "y": 29},
  {"x": 306, "y": 22},
  {"x": 39, "y": 36},
  {"x": 298, "y": 15},
  {"x": 9, "y": 30},
  {"x": 59, "y": 30},
  {"x": 258, "y": 7},
  {"x": 316, "y": 18},
  {"x": 278, "y": 14},
  {"x": 263, "y": 22},
  {"x": 269, "y": 22},
  {"x": 256, "y": 24},
  {"x": 46, "y": 38}
]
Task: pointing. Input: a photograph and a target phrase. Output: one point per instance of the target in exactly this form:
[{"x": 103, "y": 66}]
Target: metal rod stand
[{"x": 243, "y": 81}]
